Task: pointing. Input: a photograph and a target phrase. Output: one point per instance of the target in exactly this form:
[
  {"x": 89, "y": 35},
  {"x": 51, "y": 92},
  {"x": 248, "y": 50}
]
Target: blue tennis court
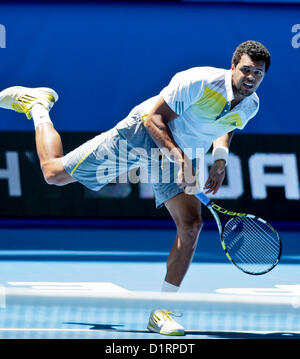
[{"x": 83, "y": 261}]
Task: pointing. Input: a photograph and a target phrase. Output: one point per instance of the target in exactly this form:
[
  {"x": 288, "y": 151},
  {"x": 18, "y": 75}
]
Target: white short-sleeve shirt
[{"x": 201, "y": 96}]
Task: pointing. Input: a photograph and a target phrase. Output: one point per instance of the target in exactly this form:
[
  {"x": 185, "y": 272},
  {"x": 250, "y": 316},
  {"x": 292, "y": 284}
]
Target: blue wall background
[{"x": 105, "y": 58}]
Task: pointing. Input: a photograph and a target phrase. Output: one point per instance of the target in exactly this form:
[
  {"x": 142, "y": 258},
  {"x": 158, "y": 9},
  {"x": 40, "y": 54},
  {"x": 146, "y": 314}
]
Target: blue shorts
[{"x": 113, "y": 155}]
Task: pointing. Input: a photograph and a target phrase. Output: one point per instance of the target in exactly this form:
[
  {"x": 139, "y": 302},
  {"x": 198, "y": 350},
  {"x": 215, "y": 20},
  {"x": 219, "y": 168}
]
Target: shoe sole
[
  {"x": 49, "y": 90},
  {"x": 178, "y": 333},
  {"x": 45, "y": 89}
]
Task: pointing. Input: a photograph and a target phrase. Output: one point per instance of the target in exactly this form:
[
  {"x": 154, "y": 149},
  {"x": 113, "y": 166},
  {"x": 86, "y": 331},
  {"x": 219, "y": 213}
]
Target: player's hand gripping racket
[{"x": 249, "y": 242}]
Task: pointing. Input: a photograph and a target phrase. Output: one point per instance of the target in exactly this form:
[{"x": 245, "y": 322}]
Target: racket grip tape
[{"x": 203, "y": 198}]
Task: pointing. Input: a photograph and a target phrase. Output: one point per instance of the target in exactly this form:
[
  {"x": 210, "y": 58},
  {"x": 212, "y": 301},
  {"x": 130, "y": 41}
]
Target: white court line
[
  {"x": 25, "y": 253},
  {"x": 292, "y": 290},
  {"x": 68, "y": 287},
  {"x": 79, "y": 253},
  {"x": 45, "y": 330},
  {"x": 142, "y": 330}
]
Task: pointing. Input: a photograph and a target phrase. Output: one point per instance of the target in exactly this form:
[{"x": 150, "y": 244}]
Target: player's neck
[{"x": 235, "y": 102}]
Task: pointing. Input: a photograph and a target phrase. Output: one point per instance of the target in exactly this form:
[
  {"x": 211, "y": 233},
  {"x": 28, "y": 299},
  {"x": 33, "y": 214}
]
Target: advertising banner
[{"x": 262, "y": 178}]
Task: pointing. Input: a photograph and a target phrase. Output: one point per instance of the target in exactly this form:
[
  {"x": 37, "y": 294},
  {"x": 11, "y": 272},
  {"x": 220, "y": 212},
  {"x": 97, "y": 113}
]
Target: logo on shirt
[
  {"x": 179, "y": 107},
  {"x": 233, "y": 120}
]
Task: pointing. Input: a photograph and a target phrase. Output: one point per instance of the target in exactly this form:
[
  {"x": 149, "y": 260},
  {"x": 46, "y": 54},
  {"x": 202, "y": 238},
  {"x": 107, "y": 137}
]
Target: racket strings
[
  {"x": 266, "y": 235},
  {"x": 263, "y": 240},
  {"x": 268, "y": 238},
  {"x": 245, "y": 257},
  {"x": 252, "y": 251},
  {"x": 252, "y": 244}
]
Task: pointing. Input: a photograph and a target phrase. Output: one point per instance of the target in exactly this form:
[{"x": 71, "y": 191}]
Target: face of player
[{"x": 247, "y": 75}]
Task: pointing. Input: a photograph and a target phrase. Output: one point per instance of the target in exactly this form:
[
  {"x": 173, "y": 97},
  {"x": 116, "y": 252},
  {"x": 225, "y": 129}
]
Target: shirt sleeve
[
  {"x": 184, "y": 89},
  {"x": 250, "y": 109}
]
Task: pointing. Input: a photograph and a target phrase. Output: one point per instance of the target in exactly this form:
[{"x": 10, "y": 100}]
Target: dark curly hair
[{"x": 255, "y": 50}]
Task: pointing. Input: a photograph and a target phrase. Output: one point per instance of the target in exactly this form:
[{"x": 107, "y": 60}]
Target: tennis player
[{"x": 200, "y": 107}]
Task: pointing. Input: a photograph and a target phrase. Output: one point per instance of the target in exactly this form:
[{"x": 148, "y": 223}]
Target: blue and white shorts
[{"x": 117, "y": 154}]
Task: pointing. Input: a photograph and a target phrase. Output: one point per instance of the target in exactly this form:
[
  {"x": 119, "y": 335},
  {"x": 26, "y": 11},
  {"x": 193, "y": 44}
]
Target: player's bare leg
[
  {"x": 186, "y": 212},
  {"x": 50, "y": 150},
  {"x": 36, "y": 103}
]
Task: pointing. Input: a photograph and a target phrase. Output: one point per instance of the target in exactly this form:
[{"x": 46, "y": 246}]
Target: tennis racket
[{"x": 249, "y": 242}]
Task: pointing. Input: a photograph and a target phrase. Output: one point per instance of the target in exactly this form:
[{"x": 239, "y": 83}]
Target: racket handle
[{"x": 203, "y": 198}]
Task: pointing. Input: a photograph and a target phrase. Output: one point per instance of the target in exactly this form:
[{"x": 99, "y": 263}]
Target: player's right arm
[
  {"x": 156, "y": 124},
  {"x": 184, "y": 89}
]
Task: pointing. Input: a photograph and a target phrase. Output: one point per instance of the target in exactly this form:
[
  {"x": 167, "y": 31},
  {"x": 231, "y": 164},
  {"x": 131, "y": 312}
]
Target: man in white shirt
[{"x": 200, "y": 107}]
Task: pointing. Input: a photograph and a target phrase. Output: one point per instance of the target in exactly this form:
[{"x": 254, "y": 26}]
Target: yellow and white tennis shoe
[
  {"x": 161, "y": 322},
  {"x": 22, "y": 99}
]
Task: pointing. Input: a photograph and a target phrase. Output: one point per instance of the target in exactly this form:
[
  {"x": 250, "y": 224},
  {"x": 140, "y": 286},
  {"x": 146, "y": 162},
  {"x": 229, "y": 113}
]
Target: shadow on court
[
  {"x": 199, "y": 333},
  {"x": 244, "y": 335},
  {"x": 110, "y": 327}
]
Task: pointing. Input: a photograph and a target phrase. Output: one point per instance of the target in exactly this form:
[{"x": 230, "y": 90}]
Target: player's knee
[
  {"x": 51, "y": 178},
  {"x": 191, "y": 226},
  {"x": 53, "y": 175}
]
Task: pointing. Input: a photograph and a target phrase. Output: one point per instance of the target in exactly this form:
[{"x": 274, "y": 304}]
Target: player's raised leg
[
  {"x": 36, "y": 103},
  {"x": 50, "y": 151}
]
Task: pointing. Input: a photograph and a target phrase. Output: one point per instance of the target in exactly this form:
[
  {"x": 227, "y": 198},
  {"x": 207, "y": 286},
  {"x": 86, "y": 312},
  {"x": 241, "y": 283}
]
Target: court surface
[{"x": 123, "y": 260}]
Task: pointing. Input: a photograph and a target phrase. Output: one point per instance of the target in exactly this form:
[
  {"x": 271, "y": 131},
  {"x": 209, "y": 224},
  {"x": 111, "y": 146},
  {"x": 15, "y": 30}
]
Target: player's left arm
[{"x": 217, "y": 170}]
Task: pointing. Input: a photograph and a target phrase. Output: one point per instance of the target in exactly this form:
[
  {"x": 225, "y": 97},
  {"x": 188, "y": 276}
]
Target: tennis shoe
[
  {"x": 161, "y": 322},
  {"x": 22, "y": 99}
]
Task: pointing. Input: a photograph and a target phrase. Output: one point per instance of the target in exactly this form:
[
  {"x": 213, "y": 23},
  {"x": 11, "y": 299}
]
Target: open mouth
[{"x": 248, "y": 85}]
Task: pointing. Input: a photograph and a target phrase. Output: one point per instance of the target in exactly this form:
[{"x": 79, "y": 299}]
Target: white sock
[
  {"x": 39, "y": 115},
  {"x": 168, "y": 287}
]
